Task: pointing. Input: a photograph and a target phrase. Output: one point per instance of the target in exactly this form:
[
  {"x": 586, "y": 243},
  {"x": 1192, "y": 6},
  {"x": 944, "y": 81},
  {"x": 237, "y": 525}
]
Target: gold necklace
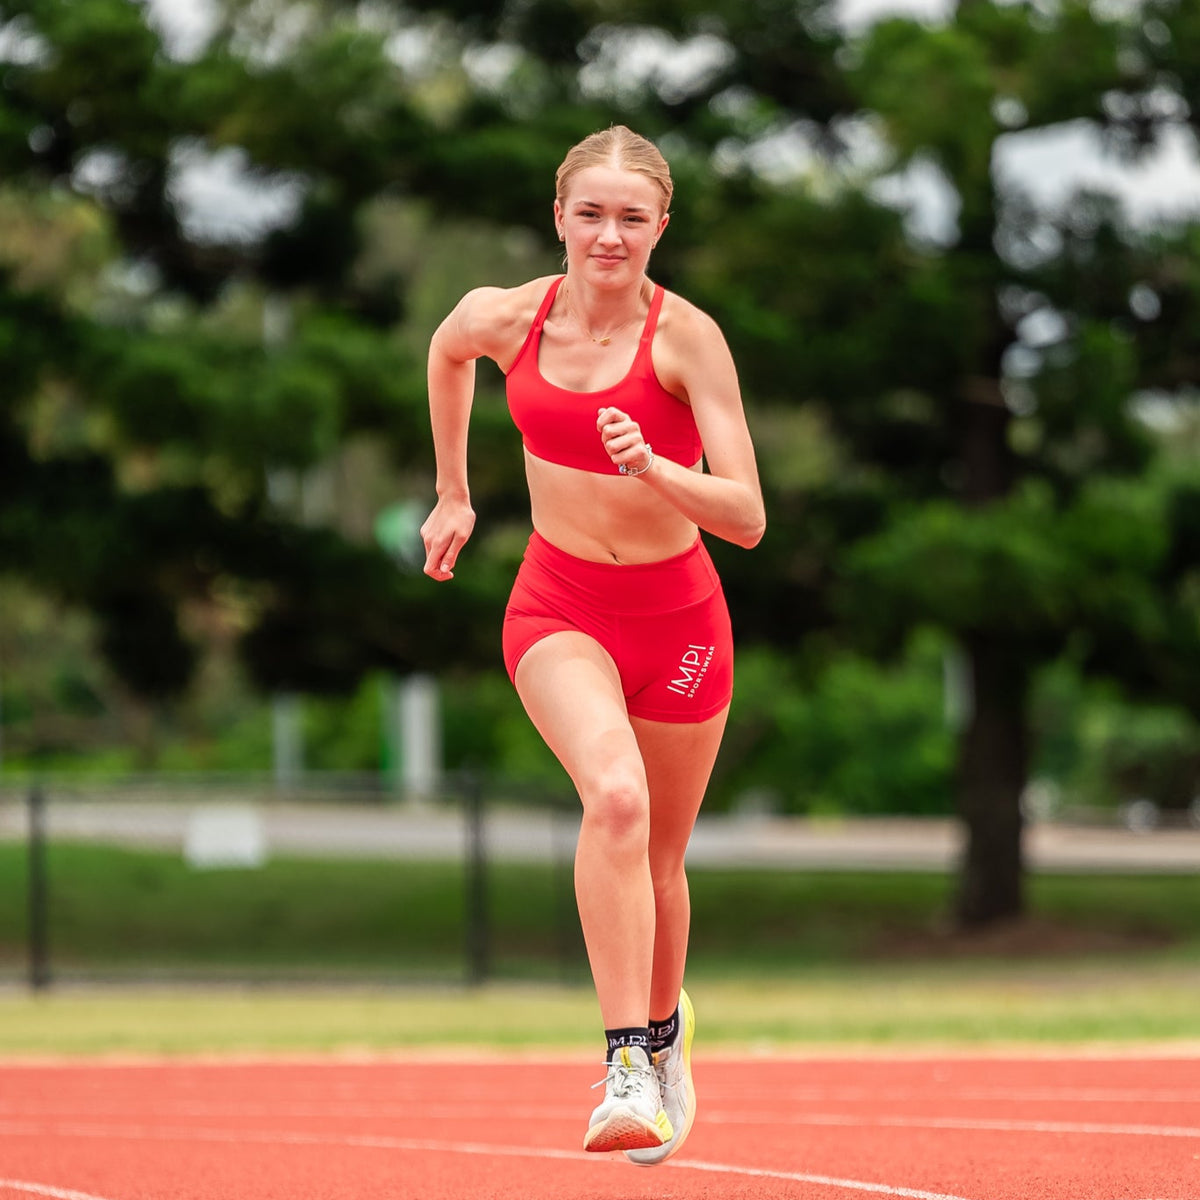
[{"x": 608, "y": 337}]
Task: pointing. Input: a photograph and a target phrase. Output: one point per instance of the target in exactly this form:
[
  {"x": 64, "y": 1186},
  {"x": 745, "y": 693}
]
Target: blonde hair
[{"x": 618, "y": 146}]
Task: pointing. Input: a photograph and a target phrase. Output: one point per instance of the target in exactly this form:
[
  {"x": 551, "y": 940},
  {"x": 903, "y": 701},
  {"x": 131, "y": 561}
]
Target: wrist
[{"x": 627, "y": 470}]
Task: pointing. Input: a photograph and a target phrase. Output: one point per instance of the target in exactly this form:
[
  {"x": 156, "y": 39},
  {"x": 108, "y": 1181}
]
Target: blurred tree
[
  {"x": 985, "y": 383},
  {"x": 176, "y": 381},
  {"x": 978, "y": 386},
  {"x": 953, "y": 416}
]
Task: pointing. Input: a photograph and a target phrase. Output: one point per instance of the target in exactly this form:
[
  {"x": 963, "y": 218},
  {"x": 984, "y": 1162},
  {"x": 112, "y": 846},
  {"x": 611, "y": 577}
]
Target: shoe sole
[
  {"x": 689, "y": 1116},
  {"x": 624, "y": 1130}
]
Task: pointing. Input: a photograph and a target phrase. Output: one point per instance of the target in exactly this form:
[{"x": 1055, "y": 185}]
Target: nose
[{"x": 610, "y": 233}]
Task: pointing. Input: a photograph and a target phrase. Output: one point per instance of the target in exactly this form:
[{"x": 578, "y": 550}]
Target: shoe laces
[
  {"x": 625, "y": 1081},
  {"x": 661, "y": 1061}
]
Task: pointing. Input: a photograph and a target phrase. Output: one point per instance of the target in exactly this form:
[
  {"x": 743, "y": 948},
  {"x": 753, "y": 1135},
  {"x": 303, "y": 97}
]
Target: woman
[{"x": 616, "y": 635}]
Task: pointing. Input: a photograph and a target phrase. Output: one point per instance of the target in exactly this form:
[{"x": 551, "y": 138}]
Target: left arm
[{"x": 727, "y": 501}]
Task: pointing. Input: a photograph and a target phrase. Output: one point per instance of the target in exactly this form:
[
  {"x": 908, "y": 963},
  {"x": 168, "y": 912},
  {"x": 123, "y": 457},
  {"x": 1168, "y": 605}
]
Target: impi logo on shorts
[{"x": 692, "y": 667}]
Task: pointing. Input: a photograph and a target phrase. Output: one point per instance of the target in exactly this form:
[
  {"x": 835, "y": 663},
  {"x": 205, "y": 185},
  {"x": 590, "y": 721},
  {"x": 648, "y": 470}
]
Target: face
[{"x": 610, "y": 219}]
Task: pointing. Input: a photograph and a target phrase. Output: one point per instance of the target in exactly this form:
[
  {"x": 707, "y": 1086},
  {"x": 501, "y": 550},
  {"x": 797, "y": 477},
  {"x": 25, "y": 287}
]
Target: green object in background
[{"x": 398, "y": 531}]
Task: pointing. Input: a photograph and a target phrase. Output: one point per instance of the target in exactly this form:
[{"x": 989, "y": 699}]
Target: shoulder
[
  {"x": 689, "y": 345},
  {"x": 488, "y": 320}
]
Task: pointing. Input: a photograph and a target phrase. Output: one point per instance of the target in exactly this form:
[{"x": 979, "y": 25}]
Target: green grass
[
  {"x": 804, "y": 960},
  {"x": 909, "y": 1008},
  {"x": 119, "y": 910}
]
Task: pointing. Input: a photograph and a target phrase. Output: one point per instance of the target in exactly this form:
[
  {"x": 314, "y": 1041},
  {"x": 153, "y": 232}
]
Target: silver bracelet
[{"x": 624, "y": 470}]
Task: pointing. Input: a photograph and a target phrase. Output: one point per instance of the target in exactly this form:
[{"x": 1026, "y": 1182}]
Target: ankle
[
  {"x": 634, "y": 1036},
  {"x": 663, "y": 1033}
]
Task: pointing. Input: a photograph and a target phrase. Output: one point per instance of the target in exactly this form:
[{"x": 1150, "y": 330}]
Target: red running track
[{"x": 988, "y": 1128}]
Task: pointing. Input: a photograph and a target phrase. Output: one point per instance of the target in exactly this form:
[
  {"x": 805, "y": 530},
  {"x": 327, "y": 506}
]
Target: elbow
[{"x": 753, "y": 532}]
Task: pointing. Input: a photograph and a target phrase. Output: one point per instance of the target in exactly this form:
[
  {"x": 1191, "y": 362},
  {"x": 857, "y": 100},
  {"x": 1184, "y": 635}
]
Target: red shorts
[{"x": 665, "y": 624}]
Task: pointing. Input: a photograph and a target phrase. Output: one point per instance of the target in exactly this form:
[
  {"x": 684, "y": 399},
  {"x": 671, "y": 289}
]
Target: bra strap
[
  {"x": 652, "y": 316},
  {"x": 547, "y": 301},
  {"x": 535, "y": 330}
]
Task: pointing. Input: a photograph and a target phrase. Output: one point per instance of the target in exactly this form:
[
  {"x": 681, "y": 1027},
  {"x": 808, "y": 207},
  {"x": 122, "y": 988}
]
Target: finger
[
  {"x": 435, "y": 568},
  {"x": 609, "y": 416},
  {"x": 621, "y": 429},
  {"x": 439, "y": 559},
  {"x": 624, "y": 445},
  {"x": 450, "y": 555}
]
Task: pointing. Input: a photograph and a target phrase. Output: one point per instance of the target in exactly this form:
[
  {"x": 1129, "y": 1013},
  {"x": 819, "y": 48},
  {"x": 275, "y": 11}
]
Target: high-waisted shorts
[{"x": 664, "y": 623}]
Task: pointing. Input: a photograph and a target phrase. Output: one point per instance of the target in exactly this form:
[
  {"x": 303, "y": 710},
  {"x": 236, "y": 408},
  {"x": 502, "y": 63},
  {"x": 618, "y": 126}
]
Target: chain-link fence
[{"x": 234, "y": 879}]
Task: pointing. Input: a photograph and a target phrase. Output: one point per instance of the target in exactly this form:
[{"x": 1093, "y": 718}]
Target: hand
[
  {"x": 622, "y": 438},
  {"x": 444, "y": 533}
]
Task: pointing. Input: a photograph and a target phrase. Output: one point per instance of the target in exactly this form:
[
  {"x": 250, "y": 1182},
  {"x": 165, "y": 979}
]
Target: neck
[
  {"x": 606, "y": 299},
  {"x": 601, "y": 314}
]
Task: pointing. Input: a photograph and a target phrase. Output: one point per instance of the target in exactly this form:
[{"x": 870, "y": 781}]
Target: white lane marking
[
  {"x": 399, "y": 1107},
  {"x": 1091, "y": 1095},
  {"x": 855, "y": 1185},
  {"x": 43, "y": 1189},
  {"x": 831, "y": 1120},
  {"x": 421, "y": 1146},
  {"x": 977, "y": 1124}
]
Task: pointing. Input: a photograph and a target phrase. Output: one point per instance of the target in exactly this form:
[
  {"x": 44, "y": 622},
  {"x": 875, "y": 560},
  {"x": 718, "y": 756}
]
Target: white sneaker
[
  {"x": 631, "y": 1116},
  {"x": 673, "y": 1066}
]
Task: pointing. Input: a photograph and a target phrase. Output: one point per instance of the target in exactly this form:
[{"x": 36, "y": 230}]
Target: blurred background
[{"x": 955, "y": 248}]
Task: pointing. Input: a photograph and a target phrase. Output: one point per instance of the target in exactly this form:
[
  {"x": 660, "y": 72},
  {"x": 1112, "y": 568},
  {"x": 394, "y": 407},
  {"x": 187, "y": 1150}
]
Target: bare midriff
[{"x": 604, "y": 518}]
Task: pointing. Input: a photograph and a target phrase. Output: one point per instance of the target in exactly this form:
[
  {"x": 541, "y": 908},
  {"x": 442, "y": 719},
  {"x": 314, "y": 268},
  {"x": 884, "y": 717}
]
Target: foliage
[
  {"x": 851, "y": 737},
  {"x": 954, "y": 419}
]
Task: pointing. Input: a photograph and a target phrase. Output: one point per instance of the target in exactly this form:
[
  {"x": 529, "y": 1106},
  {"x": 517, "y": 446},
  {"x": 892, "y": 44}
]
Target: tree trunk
[
  {"x": 992, "y": 770},
  {"x": 993, "y": 749}
]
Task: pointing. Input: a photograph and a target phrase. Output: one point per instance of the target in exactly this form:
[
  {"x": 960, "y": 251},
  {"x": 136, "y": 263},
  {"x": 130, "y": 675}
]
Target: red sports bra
[{"x": 559, "y": 425}]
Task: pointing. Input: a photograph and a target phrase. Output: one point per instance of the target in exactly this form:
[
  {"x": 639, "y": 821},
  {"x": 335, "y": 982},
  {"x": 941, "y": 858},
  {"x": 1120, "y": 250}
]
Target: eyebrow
[{"x": 598, "y": 204}]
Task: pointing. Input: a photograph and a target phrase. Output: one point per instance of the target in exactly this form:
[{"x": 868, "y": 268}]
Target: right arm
[
  {"x": 475, "y": 327},
  {"x": 451, "y": 378}
]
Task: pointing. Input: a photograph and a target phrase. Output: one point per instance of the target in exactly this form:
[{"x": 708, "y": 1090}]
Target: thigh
[
  {"x": 678, "y": 664},
  {"x": 572, "y": 692}
]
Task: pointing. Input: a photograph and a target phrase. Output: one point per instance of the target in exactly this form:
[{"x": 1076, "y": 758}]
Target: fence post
[
  {"x": 39, "y": 940},
  {"x": 477, "y": 932},
  {"x": 564, "y": 813}
]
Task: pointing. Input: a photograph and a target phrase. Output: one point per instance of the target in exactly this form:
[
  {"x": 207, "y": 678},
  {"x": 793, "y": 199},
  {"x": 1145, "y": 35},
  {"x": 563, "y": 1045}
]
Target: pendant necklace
[{"x": 599, "y": 341}]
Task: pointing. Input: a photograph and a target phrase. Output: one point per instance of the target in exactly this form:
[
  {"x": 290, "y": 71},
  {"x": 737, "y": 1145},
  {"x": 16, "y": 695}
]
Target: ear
[
  {"x": 662, "y": 224},
  {"x": 558, "y": 221}
]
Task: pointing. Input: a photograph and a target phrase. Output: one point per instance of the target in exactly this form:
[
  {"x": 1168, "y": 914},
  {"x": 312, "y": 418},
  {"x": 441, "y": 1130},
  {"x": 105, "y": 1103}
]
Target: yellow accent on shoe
[
  {"x": 674, "y": 1070},
  {"x": 631, "y": 1116}
]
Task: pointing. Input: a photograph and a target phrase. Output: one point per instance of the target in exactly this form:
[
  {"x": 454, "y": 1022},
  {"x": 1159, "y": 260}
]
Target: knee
[
  {"x": 667, "y": 871},
  {"x": 618, "y": 808}
]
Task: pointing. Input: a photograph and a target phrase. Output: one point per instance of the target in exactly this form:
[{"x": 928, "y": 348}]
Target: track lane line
[
  {"x": 44, "y": 1189},
  {"x": 424, "y": 1146},
  {"x": 831, "y": 1120},
  {"x": 974, "y": 1124}
]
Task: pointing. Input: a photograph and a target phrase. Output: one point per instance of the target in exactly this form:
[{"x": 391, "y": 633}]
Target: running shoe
[
  {"x": 631, "y": 1115},
  {"x": 673, "y": 1066}
]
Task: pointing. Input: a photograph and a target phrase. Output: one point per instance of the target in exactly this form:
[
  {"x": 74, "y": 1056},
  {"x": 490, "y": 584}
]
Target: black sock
[
  {"x": 635, "y": 1035},
  {"x": 663, "y": 1033}
]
